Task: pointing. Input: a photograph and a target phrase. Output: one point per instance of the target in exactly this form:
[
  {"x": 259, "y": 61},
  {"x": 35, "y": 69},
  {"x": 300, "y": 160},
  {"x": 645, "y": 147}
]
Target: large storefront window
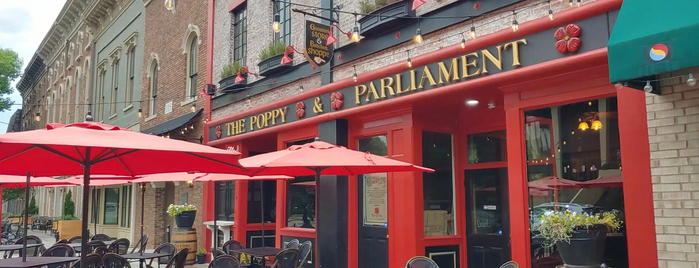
[
  {"x": 301, "y": 199},
  {"x": 225, "y": 196},
  {"x": 438, "y": 187},
  {"x": 111, "y": 206},
  {"x": 126, "y": 206},
  {"x": 574, "y": 164}
]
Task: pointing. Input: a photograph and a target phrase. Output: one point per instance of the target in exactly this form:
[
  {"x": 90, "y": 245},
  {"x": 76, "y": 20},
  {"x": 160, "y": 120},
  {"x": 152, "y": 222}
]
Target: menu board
[{"x": 376, "y": 199}]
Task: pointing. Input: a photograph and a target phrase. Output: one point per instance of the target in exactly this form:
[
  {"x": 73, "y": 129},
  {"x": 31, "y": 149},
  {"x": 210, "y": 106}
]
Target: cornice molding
[{"x": 130, "y": 41}]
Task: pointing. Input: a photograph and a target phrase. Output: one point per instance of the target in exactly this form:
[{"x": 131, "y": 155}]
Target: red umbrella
[
  {"x": 95, "y": 148},
  {"x": 319, "y": 157},
  {"x": 554, "y": 183},
  {"x": 603, "y": 182}
]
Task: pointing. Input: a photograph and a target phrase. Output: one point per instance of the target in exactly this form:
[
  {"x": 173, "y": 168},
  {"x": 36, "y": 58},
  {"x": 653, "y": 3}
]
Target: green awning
[{"x": 652, "y": 37}]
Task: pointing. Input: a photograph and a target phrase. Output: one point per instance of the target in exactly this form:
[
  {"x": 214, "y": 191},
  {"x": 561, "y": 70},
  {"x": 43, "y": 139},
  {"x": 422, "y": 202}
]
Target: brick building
[{"x": 175, "y": 49}]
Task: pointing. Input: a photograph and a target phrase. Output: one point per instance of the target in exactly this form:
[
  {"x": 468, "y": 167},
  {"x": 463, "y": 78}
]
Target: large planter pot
[
  {"x": 586, "y": 247},
  {"x": 386, "y": 18},
  {"x": 201, "y": 259},
  {"x": 185, "y": 219},
  {"x": 273, "y": 65},
  {"x": 228, "y": 84},
  {"x": 68, "y": 229}
]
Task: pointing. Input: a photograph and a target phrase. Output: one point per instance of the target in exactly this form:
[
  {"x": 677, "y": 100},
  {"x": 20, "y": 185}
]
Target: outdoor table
[
  {"x": 77, "y": 246},
  {"x": 144, "y": 256},
  {"x": 35, "y": 262},
  {"x": 6, "y": 248},
  {"x": 260, "y": 252}
]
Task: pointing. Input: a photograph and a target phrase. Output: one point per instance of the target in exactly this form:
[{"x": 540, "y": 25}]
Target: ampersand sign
[{"x": 317, "y": 106}]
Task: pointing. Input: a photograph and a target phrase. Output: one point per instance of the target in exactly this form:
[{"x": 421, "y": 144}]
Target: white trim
[
  {"x": 188, "y": 101},
  {"x": 192, "y": 30},
  {"x": 151, "y": 117}
]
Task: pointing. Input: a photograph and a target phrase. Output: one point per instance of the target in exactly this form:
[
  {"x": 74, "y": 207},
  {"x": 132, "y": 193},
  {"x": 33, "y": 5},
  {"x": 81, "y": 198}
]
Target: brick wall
[{"x": 673, "y": 130}]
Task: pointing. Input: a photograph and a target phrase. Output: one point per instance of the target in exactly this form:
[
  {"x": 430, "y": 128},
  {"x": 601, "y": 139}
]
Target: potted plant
[
  {"x": 184, "y": 214},
  {"x": 271, "y": 59},
  {"x": 201, "y": 256},
  {"x": 228, "y": 75},
  {"x": 579, "y": 237},
  {"x": 383, "y": 15}
]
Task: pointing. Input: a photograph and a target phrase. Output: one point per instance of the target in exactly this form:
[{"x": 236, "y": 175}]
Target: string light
[
  {"x": 140, "y": 113},
  {"x": 355, "y": 31},
  {"x": 37, "y": 117},
  {"x": 691, "y": 81},
  {"x": 473, "y": 32},
  {"x": 418, "y": 34},
  {"x": 578, "y": 3},
  {"x": 194, "y": 107},
  {"x": 570, "y": 2},
  {"x": 170, "y": 5},
  {"x": 410, "y": 63},
  {"x": 276, "y": 26},
  {"x": 550, "y": 11},
  {"x": 515, "y": 24},
  {"x": 648, "y": 88},
  {"x": 354, "y": 77},
  {"x": 463, "y": 41}
]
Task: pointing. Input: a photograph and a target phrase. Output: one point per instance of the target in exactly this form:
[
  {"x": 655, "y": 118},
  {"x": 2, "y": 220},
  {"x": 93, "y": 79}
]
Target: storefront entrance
[
  {"x": 487, "y": 228},
  {"x": 373, "y": 209}
]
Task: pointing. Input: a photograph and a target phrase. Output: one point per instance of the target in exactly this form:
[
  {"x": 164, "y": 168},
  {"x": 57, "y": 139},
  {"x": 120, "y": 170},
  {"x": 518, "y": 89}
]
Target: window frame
[
  {"x": 104, "y": 207},
  {"x": 192, "y": 67},
  {"x": 125, "y": 206},
  {"x": 130, "y": 74},
  {"x": 284, "y": 11},
  {"x": 240, "y": 33},
  {"x": 114, "y": 88},
  {"x": 153, "y": 89},
  {"x": 228, "y": 188}
]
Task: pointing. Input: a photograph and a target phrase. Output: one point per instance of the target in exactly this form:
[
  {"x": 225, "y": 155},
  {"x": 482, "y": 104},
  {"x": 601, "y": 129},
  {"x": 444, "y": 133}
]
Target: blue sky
[{"x": 23, "y": 25}]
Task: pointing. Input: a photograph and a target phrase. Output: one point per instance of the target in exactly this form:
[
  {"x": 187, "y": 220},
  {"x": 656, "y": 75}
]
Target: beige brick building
[{"x": 673, "y": 130}]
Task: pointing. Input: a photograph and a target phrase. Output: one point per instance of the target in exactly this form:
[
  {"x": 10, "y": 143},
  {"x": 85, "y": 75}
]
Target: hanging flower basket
[{"x": 385, "y": 18}]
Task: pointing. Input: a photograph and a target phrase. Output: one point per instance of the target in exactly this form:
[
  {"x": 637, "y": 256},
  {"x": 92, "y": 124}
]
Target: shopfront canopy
[{"x": 652, "y": 37}]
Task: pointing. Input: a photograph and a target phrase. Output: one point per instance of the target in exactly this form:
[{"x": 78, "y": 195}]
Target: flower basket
[
  {"x": 585, "y": 248},
  {"x": 272, "y": 65},
  {"x": 385, "y": 18},
  {"x": 184, "y": 214}
]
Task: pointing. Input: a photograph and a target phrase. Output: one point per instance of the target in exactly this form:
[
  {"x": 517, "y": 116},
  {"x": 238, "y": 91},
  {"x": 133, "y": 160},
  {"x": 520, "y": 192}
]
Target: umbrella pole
[
  {"x": 86, "y": 200},
  {"x": 143, "y": 197},
  {"x": 94, "y": 212},
  {"x": 26, "y": 219},
  {"x": 262, "y": 215},
  {"x": 215, "y": 238}
]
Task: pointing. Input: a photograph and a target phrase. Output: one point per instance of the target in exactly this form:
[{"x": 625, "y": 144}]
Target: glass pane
[
  {"x": 485, "y": 201},
  {"x": 487, "y": 147},
  {"x": 574, "y": 164},
  {"x": 375, "y": 188},
  {"x": 111, "y": 206},
  {"x": 301, "y": 199},
  {"x": 438, "y": 187}
]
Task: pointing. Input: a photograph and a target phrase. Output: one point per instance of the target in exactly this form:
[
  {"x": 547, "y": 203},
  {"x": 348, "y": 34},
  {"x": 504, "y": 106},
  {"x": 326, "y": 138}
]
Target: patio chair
[
  {"x": 163, "y": 248},
  {"x": 31, "y": 252},
  {"x": 101, "y": 237},
  {"x": 294, "y": 243},
  {"x": 421, "y": 262},
  {"x": 120, "y": 246},
  {"x": 62, "y": 241},
  {"x": 218, "y": 252},
  {"x": 101, "y": 250},
  {"x": 113, "y": 260},
  {"x": 140, "y": 246},
  {"x": 231, "y": 245},
  {"x": 59, "y": 250},
  {"x": 510, "y": 264},
  {"x": 305, "y": 251},
  {"x": 75, "y": 239},
  {"x": 225, "y": 261},
  {"x": 179, "y": 260},
  {"x": 92, "y": 260},
  {"x": 287, "y": 258},
  {"x": 92, "y": 245}
]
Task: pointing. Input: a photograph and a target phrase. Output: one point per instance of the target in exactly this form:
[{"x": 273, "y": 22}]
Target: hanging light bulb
[
  {"x": 691, "y": 81},
  {"x": 191, "y": 127},
  {"x": 418, "y": 36},
  {"x": 578, "y": 3},
  {"x": 597, "y": 125},
  {"x": 472, "y": 33},
  {"x": 170, "y": 5},
  {"x": 140, "y": 113},
  {"x": 648, "y": 88},
  {"x": 355, "y": 34},
  {"x": 182, "y": 132},
  {"x": 515, "y": 25},
  {"x": 570, "y": 2},
  {"x": 276, "y": 25},
  {"x": 37, "y": 117},
  {"x": 583, "y": 126},
  {"x": 463, "y": 41},
  {"x": 550, "y": 14},
  {"x": 194, "y": 107},
  {"x": 354, "y": 77},
  {"x": 410, "y": 64},
  {"x": 618, "y": 85}
]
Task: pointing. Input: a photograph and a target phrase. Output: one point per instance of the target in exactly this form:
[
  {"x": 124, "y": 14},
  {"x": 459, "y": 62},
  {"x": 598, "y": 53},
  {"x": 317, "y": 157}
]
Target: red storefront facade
[{"x": 518, "y": 88}]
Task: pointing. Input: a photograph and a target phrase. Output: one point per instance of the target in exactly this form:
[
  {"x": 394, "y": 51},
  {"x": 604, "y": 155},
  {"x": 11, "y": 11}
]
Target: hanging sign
[
  {"x": 317, "y": 53},
  {"x": 376, "y": 199}
]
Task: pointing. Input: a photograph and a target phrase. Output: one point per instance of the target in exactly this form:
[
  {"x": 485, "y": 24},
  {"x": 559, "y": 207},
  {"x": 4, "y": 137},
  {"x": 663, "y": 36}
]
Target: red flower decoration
[
  {"x": 218, "y": 132},
  {"x": 477, "y": 6},
  {"x": 397, "y": 35},
  {"x": 568, "y": 38},
  {"x": 336, "y": 100},
  {"x": 300, "y": 110}
]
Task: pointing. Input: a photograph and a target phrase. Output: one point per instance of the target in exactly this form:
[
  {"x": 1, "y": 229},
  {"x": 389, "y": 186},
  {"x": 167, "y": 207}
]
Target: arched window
[
  {"x": 153, "y": 88},
  {"x": 76, "y": 112},
  {"x": 53, "y": 108},
  {"x": 86, "y": 93},
  {"x": 192, "y": 64},
  {"x": 66, "y": 100},
  {"x": 115, "y": 88},
  {"x": 131, "y": 74},
  {"x": 60, "y": 102}
]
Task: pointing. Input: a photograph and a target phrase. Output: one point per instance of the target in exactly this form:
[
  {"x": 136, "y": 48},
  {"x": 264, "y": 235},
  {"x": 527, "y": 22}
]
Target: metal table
[
  {"x": 142, "y": 257},
  {"x": 260, "y": 252},
  {"x": 78, "y": 246},
  {"x": 35, "y": 262}
]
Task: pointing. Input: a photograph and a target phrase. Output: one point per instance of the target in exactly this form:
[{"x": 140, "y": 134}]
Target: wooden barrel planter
[{"x": 186, "y": 238}]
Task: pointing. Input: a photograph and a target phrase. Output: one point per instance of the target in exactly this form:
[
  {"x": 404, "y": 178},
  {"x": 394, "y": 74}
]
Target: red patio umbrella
[
  {"x": 8, "y": 181},
  {"x": 554, "y": 183},
  {"x": 319, "y": 157},
  {"x": 96, "y": 148},
  {"x": 604, "y": 182}
]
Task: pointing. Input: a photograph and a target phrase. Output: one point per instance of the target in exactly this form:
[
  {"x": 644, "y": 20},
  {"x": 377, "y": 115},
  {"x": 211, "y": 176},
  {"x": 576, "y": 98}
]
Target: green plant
[
  {"x": 174, "y": 210},
  {"x": 558, "y": 226},
  {"x": 33, "y": 209},
  {"x": 67, "y": 218},
  {"x": 232, "y": 69},
  {"x": 368, "y": 6},
  {"x": 68, "y": 205},
  {"x": 273, "y": 49},
  {"x": 201, "y": 252}
]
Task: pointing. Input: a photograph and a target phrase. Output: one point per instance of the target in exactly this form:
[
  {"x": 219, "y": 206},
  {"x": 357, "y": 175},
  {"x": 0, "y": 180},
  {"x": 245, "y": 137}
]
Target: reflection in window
[
  {"x": 225, "y": 196},
  {"x": 574, "y": 163},
  {"x": 487, "y": 147},
  {"x": 375, "y": 186},
  {"x": 95, "y": 208},
  {"x": 126, "y": 206},
  {"x": 438, "y": 187},
  {"x": 111, "y": 206},
  {"x": 301, "y": 199}
]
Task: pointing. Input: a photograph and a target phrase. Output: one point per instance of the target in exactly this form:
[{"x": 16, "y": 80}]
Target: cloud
[{"x": 13, "y": 21}]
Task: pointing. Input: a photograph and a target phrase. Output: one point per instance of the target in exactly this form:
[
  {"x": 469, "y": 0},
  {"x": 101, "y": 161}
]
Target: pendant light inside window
[
  {"x": 276, "y": 26},
  {"x": 418, "y": 34}
]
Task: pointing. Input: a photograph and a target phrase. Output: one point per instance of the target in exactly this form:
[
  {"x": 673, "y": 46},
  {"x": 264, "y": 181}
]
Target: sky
[{"x": 22, "y": 28}]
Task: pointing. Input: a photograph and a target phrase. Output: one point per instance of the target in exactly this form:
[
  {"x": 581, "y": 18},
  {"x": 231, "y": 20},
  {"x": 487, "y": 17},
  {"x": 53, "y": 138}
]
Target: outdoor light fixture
[
  {"x": 88, "y": 118},
  {"x": 579, "y": 3},
  {"x": 597, "y": 125},
  {"x": 583, "y": 126},
  {"x": 239, "y": 78},
  {"x": 472, "y": 33},
  {"x": 191, "y": 127},
  {"x": 418, "y": 34},
  {"x": 618, "y": 85},
  {"x": 331, "y": 35},
  {"x": 550, "y": 14},
  {"x": 170, "y": 5},
  {"x": 515, "y": 24},
  {"x": 691, "y": 81},
  {"x": 463, "y": 41},
  {"x": 570, "y": 2},
  {"x": 37, "y": 117},
  {"x": 355, "y": 33},
  {"x": 648, "y": 88},
  {"x": 190, "y": 184},
  {"x": 354, "y": 77},
  {"x": 182, "y": 132},
  {"x": 286, "y": 59},
  {"x": 417, "y": 3},
  {"x": 194, "y": 107},
  {"x": 140, "y": 113},
  {"x": 276, "y": 26}
]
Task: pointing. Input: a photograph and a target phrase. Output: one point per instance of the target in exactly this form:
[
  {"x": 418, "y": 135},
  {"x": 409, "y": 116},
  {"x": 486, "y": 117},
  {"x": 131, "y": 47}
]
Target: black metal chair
[
  {"x": 31, "y": 252},
  {"x": 287, "y": 258},
  {"x": 140, "y": 246},
  {"x": 120, "y": 246},
  {"x": 163, "y": 248},
  {"x": 510, "y": 264},
  {"x": 75, "y": 239},
  {"x": 101, "y": 250},
  {"x": 225, "y": 261},
  {"x": 92, "y": 245},
  {"x": 101, "y": 237},
  {"x": 113, "y": 260},
  {"x": 218, "y": 252},
  {"x": 62, "y": 241},
  {"x": 305, "y": 253},
  {"x": 231, "y": 245},
  {"x": 421, "y": 262},
  {"x": 179, "y": 260},
  {"x": 59, "y": 250},
  {"x": 294, "y": 243},
  {"x": 92, "y": 260}
]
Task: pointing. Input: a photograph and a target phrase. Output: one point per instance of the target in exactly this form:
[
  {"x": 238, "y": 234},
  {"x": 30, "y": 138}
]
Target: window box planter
[
  {"x": 273, "y": 66},
  {"x": 385, "y": 18},
  {"x": 228, "y": 84}
]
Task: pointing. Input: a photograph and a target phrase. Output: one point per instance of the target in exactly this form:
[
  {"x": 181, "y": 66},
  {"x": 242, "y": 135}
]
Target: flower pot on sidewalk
[{"x": 586, "y": 247}]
